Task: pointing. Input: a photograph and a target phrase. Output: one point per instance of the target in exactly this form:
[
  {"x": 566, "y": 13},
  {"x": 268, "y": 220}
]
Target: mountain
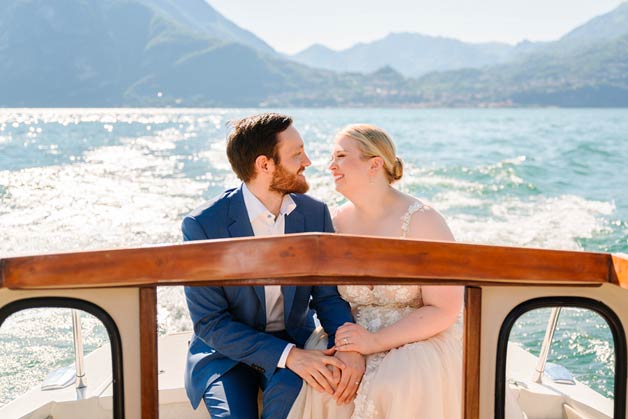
[
  {"x": 595, "y": 76},
  {"x": 414, "y": 54},
  {"x": 318, "y": 56},
  {"x": 199, "y": 16},
  {"x": 106, "y": 53},
  {"x": 605, "y": 27},
  {"x": 125, "y": 52},
  {"x": 75, "y": 53},
  {"x": 411, "y": 54}
]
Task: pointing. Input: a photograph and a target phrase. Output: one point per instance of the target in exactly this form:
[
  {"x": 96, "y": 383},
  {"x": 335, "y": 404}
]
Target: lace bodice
[
  {"x": 381, "y": 305},
  {"x": 382, "y": 295},
  {"x": 403, "y": 382}
]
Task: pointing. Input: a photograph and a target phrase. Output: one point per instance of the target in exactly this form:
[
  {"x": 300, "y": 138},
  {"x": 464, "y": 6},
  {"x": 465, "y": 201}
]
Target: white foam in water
[
  {"x": 476, "y": 215},
  {"x": 426, "y": 178},
  {"x": 120, "y": 196},
  {"x": 135, "y": 192},
  {"x": 535, "y": 221},
  {"x": 538, "y": 222},
  {"x": 453, "y": 199},
  {"x": 126, "y": 195}
]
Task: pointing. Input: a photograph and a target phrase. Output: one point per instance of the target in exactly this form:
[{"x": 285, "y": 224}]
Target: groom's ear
[{"x": 264, "y": 165}]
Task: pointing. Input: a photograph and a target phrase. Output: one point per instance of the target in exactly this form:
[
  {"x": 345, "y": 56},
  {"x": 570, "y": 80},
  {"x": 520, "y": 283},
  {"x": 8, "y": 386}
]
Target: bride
[{"x": 410, "y": 335}]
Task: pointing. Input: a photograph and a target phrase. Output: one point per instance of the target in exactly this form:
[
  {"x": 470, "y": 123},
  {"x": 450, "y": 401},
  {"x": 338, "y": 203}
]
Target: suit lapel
[
  {"x": 288, "y": 298},
  {"x": 240, "y": 226},
  {"x": 261, "y": 295},
  {"x": 239, "y": 223},
  {"x": 295, "y": 222}
]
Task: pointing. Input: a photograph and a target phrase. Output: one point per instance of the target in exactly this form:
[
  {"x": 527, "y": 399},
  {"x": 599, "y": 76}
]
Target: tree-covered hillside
[{"x": 85, "y": 53}]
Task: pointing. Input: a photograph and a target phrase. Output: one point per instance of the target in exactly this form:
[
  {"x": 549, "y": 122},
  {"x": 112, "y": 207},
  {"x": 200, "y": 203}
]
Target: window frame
[
  {"x": 613, "y": 321},
  {"x": 96, "y": 311}
]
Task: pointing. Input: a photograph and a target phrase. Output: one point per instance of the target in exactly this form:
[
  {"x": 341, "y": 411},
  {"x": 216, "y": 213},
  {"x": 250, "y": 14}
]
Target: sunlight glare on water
[{"x": 79, "y": 179}]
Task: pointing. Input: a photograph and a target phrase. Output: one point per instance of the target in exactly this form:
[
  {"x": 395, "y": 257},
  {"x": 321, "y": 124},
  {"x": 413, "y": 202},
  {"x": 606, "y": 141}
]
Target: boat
[{"x": 139, "y": 375}]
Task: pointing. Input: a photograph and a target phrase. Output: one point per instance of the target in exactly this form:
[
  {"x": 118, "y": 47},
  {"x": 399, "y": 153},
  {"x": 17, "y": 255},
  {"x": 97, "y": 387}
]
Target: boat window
[
  {"x": 56, "y": 360},
  {"x": 561, "y": 362}
]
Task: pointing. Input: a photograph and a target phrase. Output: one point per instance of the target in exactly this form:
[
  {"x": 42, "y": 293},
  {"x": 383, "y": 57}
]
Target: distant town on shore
[{"x": 183, "y": 53}]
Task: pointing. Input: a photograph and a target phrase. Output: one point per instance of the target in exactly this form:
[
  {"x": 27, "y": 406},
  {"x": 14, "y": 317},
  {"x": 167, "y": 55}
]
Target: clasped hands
[{"x": 337, "y": 373}]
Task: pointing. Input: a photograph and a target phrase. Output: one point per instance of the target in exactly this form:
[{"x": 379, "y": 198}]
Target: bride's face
[{"x": 348, "y": 167}]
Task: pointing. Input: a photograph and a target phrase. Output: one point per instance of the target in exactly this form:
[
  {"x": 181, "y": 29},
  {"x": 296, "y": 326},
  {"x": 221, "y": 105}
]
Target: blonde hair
[{"x": 374, "y": 142}]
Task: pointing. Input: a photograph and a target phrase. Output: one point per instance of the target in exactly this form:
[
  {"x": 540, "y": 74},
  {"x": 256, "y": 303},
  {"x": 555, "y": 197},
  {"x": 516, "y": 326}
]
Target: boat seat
[
  {"x": 571, "y": 413},
  {"x": 512, "y": 409}
]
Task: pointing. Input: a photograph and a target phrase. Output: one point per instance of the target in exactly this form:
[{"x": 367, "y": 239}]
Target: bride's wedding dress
[
  {"x": 420, "y": 380},
  {"x": 417, "y": 380}
]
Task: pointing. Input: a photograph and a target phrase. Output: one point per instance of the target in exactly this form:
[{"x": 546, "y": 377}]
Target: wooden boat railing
[{"x": 313, "y": 258}]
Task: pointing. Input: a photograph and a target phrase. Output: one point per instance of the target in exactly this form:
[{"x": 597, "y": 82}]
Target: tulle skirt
[{"x": 421, "y": 380}]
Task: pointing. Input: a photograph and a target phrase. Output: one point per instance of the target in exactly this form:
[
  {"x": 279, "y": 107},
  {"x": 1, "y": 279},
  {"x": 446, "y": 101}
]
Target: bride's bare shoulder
[
  {"x": 427, "y": 223},
  {"x": 341, "y": 214}
]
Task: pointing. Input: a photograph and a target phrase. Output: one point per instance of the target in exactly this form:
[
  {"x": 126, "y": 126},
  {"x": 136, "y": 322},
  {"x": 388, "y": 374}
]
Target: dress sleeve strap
[{"x": 405, "y": 218}]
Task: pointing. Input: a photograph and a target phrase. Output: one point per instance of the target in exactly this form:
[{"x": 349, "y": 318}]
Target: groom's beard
[{"x": 285, "y": 182}]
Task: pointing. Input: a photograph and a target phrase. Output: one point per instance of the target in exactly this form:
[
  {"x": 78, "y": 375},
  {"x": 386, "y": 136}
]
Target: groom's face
[{"x": 288, "y": 175}]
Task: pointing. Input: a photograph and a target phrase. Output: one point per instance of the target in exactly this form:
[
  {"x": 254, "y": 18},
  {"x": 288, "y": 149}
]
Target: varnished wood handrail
[
  {"x": 312, "y": 257},
  {"x": 619, "y": 270}
]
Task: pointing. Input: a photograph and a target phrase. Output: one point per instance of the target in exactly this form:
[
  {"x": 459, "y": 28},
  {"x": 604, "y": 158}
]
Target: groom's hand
[
  {"x": 311, "y": 366},
  {"x": 350, "y": 377}
]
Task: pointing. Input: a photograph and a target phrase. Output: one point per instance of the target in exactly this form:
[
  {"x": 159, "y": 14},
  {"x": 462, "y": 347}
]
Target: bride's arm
[
  {"x": 442, "y": 304},
  {"x": 441, "y": 309}
]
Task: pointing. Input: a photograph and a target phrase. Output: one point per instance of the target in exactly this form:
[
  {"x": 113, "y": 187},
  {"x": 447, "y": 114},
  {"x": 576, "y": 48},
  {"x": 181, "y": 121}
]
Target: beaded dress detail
[
  {"x": 420, "y": 380},
  {"x": 388, "y": 389}
]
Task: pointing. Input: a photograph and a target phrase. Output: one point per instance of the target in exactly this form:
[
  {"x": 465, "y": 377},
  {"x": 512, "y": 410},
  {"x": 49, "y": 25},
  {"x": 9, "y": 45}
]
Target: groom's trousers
[{"x": 234, "y": 394}]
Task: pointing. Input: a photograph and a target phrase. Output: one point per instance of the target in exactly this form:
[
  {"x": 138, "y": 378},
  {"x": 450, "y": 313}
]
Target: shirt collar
[{"x": 255, "y": 208}]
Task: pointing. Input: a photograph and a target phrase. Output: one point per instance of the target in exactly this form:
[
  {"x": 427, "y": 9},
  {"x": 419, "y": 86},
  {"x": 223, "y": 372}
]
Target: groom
[{"x": 252, "y": 337}]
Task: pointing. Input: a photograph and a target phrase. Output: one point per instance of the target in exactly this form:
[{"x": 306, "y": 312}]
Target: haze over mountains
[
  {"x": 409, "y": 53},
  {"x": 184, "y": 53},
  {"x": 414, "y": 54}
]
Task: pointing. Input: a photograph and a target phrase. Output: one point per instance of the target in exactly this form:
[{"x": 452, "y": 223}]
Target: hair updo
[{"x": 374, "y": 142}]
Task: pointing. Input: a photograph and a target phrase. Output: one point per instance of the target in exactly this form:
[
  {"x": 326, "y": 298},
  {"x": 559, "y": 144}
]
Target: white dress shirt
[{"x": 265, "y": 224}]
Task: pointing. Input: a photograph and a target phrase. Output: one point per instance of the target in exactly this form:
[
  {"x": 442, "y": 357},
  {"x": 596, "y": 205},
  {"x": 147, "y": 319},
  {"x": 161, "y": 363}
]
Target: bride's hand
[{"x": 353, "y": 337}]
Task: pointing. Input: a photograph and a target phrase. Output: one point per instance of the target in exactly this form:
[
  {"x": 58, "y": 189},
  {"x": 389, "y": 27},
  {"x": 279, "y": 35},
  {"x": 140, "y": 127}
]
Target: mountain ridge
[
  {"x": 416, "y": 54},
  {"x": 409, "y": 53},
  {"x": 202, "y": 17},
  {"x": 131, "y": 53}
]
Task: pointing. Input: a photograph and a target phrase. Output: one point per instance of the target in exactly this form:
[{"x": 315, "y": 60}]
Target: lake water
[{"x": 92, "y": 178}]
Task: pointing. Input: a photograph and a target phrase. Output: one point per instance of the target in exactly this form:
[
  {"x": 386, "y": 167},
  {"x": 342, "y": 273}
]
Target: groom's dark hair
[{"x": 252, "y": 137}]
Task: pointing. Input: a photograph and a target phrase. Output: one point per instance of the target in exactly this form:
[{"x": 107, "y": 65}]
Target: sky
[{"x": 290, "y": 26}]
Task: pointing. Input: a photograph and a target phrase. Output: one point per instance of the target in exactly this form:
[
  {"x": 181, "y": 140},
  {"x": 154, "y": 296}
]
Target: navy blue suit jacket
[{"x": 229, "y": 322}]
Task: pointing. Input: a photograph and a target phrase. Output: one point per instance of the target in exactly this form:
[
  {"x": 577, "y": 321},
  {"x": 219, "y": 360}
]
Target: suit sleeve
[
  {"x": 192, "y": 230},
  {"x": 328, "y": 225},
  {"x": 214, "y": 325},
  {"x": 332, "y": 311}
]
